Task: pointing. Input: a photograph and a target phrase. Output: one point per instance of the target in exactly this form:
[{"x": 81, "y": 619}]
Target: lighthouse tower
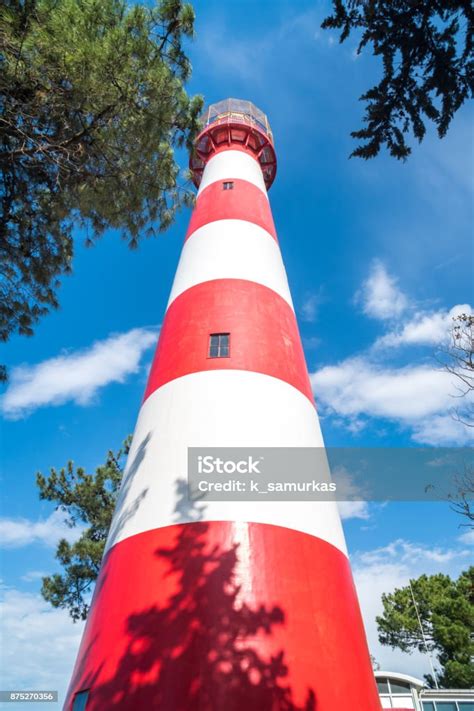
[{"x": 224, "y": 605}]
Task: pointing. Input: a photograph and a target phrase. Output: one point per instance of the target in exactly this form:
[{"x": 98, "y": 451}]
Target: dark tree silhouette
[
  {"x": 427, "y": 60},
  {"x": 204, "y": 637}
]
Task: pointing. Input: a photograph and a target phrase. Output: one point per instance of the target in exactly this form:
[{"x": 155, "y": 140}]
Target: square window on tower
[
  {"x": 219, "y": 345},
  {"x": 228, "y": 185}
]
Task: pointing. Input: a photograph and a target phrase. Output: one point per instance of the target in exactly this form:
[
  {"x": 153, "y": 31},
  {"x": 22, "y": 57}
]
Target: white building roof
[{"x": 396, "y": 676}]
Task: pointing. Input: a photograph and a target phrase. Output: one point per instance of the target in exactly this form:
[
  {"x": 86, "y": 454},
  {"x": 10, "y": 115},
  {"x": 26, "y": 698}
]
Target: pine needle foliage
[
  {"x": 93, "y": 108},
  {"x": 426, "y": 49},
  {"x": 88, "y": 501}
]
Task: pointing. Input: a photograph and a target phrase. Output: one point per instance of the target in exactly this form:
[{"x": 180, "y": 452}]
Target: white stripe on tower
[
  {"x": 209, "y": 406},
  {"x": 164, "y": 621},
  {"x": 232, "y": 165},
  {"x": 231, "y": 249}
]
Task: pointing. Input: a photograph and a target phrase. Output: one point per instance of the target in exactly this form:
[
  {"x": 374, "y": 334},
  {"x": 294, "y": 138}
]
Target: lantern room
[{"x": 234, "y": 124}]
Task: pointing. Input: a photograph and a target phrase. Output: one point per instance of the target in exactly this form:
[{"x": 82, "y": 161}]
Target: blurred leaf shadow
[{"x": 198, "y": 653}]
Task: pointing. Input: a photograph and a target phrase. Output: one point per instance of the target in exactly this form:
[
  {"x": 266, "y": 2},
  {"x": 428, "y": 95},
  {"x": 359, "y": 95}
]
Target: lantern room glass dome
[{"x": 236, "y": 111}]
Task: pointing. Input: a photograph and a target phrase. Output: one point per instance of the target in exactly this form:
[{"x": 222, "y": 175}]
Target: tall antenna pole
[{"x": 424, "y": 637}]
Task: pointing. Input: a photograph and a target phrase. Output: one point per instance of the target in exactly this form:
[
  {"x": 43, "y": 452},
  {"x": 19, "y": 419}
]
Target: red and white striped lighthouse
[{"x": 227, "y": 606}]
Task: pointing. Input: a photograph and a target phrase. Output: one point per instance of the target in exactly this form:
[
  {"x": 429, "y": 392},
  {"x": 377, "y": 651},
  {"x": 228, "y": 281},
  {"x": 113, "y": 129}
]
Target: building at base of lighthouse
[{"x": 228, "y": 605}]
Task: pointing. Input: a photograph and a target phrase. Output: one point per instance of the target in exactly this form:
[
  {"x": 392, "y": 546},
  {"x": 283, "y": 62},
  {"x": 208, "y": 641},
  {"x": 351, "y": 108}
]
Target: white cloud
[
  {"x": 423, "y": 398},
  {"x": 75, "y": 376},
  {"x": 353, "y": 509},
  {"x": 355, "y": 506},
  {"x": 442, "y": 430},
  {"x": 380, "y": 296},
  {"x": 33, "y": 575},
  {"x": 392, "y": 566},
  {"x": 418, "y": 397},
  {"x": 443, "y": 169},
  {"x": 468, "y": 537},
  {"x": 310, "y": 306},
  {"x": 20, "y": 532},
  {"x": 246, "y": 56},
  {"x": 424, "y": 328},
  {"x": 356, "y": 386},
  {"x": 42, "y": 643},
  {"x": 411, "y": 553}
]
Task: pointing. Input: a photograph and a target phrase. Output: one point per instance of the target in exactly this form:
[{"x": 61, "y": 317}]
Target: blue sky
[{"x": 379, "y": 257}]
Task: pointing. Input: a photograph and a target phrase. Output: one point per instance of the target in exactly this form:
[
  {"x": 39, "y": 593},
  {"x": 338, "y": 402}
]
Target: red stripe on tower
[
  {"x": 224, "y": 606},
  {"x": 244, "y": 201},
  {"x": 262, "y": 340}
]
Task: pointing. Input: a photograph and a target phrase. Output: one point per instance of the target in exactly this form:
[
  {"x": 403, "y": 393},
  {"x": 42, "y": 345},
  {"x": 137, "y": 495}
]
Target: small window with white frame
[{"x": 395, "y": 693}]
